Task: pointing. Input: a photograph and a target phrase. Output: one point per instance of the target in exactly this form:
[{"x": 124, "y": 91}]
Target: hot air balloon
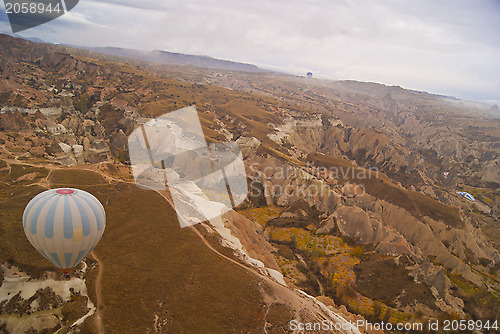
[
  {"x": 64, "y": 225},
  {"x": 466, "y": 195}
]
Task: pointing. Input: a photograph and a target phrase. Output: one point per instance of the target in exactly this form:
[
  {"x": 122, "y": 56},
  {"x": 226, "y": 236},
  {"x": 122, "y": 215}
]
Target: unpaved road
[{"x": 287, "y": 295}]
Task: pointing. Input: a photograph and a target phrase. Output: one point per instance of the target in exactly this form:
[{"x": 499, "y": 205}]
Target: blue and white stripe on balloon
[
  {"x": 466, "y": 195},
  {"x": 64, "y": 225}
]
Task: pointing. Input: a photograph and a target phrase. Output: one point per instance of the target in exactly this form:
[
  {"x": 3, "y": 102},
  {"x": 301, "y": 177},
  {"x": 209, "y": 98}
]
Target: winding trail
[
  {"x": 193, "y": 228},
  {"x": 321, "y": 289},
  {"x": 98, "y": 319},
  {"x": 286, "y": 293}
]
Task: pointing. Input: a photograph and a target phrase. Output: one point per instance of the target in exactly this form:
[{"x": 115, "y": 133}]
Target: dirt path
[
  {"x": 287, "y": 295},
  {"x": 97, "y": 318},
  {"x": 226, "y": 257},
  {"x": 301, "y": 259}
]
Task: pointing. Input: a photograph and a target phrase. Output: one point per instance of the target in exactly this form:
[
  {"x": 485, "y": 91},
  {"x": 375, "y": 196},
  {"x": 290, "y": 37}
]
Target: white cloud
[
  {"x": 447, "y": 46},
  {"x": 75, "y": 18}
]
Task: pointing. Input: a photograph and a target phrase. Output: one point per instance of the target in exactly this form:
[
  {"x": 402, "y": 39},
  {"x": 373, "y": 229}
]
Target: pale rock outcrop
[
  {"x": 66, "y": 148},
  {"x": 248, "y": 145},
  {"x": 99, "y": 146},
  {"x": 355, "y": 223},
  {"x": 55, "y": 129},
  {"x": 78, "y": 150}
]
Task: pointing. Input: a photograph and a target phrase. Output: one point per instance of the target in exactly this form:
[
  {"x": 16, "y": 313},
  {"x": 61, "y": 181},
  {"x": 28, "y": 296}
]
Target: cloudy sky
[{"x": 449, "y": 47}]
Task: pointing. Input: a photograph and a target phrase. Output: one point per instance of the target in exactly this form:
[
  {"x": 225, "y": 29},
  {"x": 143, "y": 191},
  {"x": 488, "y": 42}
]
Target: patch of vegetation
[
  {"x": 406, "y": 178},
  {"x": 479, "y": 302},
  {"x": 83, "y": 103},
  {"x": 300, "y": 239},
  {"x": 20, "y": 101},
  {"x": 261, "y": 215},
  {"x": 46, "y": 300},
  {"x": 256, "y": 198},
  {"x": 310, "y": 284},
  {"x": 431, "y": 156},
  {"x": 285, "y": 251}
]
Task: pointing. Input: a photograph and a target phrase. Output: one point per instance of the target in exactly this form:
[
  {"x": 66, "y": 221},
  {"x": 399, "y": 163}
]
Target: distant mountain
[
  {"x": 161, "y": 57},
  {"x": 164, "y": 57},
  {"x": 30, "y": 39},
  {"x": 33, "y": 39}
]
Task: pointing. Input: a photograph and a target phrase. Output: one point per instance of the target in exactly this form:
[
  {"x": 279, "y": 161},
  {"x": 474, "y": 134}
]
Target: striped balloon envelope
[
  {"x": 64, "y": 225},
  {"x": 466, "y": 195}
]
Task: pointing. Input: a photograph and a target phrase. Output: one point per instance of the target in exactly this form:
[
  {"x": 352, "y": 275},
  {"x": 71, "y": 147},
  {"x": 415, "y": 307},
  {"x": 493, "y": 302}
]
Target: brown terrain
[{"x": 352, "y": 199}]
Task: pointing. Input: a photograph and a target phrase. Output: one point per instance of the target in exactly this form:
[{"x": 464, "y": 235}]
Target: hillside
[
  {"x": 346, "y": 180},
  {"x": 165, "y": 57}
]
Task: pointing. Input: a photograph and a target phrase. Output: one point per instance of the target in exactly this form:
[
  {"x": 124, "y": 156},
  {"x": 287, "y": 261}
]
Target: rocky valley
[{"x": 352, "y": 213}]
